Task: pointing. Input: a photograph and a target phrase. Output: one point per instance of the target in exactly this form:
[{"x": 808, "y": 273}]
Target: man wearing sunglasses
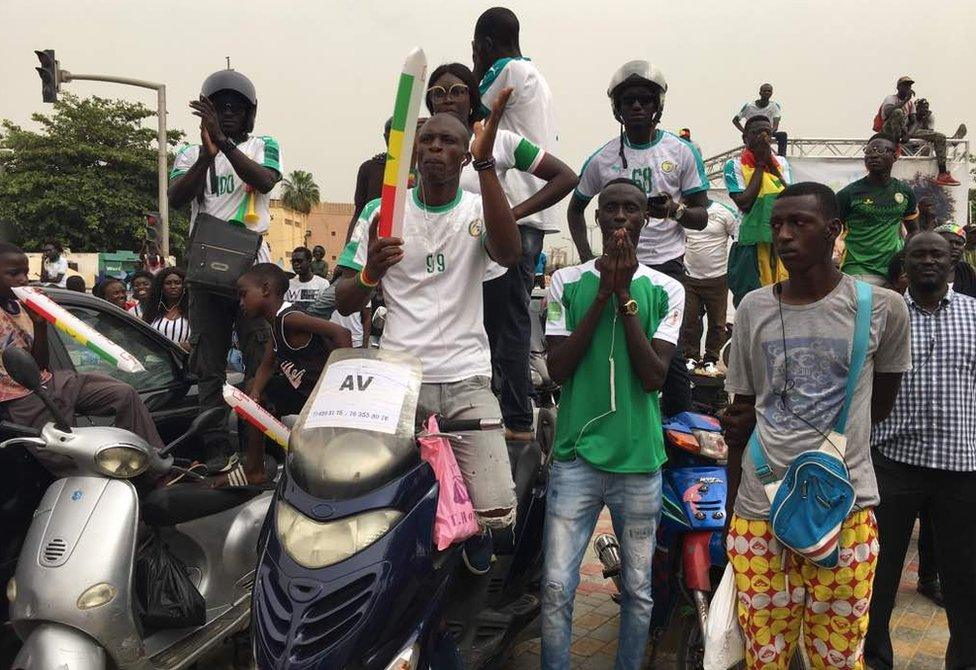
[
  {"x": 873, "y": 210},
  {"x": 228, "y": 175}
]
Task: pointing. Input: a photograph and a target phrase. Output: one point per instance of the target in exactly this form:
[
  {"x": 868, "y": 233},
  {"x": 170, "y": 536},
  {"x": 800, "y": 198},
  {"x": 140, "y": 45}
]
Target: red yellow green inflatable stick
[{"x": 410, "y": 91}]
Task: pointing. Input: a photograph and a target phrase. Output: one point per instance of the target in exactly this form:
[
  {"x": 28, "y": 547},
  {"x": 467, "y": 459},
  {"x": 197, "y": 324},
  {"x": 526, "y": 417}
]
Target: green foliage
[
  {"x": 300, "y": 192},
  {"x": 85, "y": 179}
]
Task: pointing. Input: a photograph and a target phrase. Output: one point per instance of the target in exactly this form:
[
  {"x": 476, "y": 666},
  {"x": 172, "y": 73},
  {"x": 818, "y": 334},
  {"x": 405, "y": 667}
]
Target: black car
[{"x": 167, "y": 387}]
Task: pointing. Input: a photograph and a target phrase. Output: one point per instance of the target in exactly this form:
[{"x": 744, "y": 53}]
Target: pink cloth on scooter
[{"x": 455, "y": 520}]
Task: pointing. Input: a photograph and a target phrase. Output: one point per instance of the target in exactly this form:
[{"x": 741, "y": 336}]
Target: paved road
[{"x": 919, "y": 629}]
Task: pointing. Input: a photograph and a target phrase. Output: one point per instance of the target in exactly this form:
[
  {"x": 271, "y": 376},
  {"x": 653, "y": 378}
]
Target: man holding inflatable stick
[
  {"x": 791, "y": 358},
  {"x": 451, "y": 242}
]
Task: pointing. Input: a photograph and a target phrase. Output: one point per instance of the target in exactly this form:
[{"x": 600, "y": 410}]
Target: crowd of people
[{"x": 624, "y": 332}]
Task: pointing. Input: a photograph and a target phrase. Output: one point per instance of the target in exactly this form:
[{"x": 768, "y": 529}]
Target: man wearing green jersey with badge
[
  {"x": 612, "y": 326},
  {"x": 229, "y": 175},
  {"x": 873, "y": 210}
]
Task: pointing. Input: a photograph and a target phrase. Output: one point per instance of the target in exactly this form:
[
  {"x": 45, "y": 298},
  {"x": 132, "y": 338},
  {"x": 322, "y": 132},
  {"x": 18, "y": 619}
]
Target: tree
[
  {"x": 85, "y": 179},
  {"x": 300, "y": 192}
]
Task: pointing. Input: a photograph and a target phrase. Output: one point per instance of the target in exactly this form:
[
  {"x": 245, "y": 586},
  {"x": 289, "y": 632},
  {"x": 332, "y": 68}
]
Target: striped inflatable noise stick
[{"x": 396, "y": 175}]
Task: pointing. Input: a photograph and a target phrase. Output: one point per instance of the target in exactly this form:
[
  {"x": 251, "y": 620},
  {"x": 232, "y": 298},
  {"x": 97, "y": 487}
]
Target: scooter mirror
[{"x": 22, "y": 368}]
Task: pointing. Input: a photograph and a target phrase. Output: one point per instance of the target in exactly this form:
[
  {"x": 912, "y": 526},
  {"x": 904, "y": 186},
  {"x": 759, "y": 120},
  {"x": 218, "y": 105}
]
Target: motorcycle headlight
[
  {"x": 122, "y": 462},
  {"x": 711, "y": 445},
  {"x": 316, "y": 544},
  {"x": 407, "y": 659}
]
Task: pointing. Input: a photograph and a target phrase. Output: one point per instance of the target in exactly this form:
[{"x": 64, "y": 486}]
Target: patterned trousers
[{"x": 784, "y": 598}]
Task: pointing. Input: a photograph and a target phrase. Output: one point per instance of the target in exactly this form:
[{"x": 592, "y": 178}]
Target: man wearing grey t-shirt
[
  {"x": 788, "y": 367},
  {"x": 764, "y": 105}
]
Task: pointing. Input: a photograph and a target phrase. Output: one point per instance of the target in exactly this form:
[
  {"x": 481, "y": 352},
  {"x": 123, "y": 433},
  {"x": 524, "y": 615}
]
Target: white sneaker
[
  {"x": 709, "y": 369},
  {"x": 691, "y": 364}
]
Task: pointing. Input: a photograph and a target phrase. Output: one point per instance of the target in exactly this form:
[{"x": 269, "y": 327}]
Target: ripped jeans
[{"x": 577, "y": 495}]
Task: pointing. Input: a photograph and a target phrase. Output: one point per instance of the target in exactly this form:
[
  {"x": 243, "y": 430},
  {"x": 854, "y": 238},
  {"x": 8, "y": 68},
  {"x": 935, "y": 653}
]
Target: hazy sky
[{"x": 325, "y": 71}]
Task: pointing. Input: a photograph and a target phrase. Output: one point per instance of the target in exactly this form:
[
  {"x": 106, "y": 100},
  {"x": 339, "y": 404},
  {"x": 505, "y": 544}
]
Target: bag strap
[{"x": 859, "y": 349}]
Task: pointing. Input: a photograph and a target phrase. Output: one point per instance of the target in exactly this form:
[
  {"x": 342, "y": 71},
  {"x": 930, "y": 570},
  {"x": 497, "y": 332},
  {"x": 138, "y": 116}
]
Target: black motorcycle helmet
[{"x": 232, "y": 80}]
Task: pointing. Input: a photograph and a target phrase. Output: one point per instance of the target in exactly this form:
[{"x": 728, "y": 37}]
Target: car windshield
[
  {"x": 357, "y": 430},
  {"x": 155, "y": 358}
]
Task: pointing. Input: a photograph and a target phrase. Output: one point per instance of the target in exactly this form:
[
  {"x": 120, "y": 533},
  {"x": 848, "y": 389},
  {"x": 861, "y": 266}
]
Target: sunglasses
[
  {"x": 877, "y": 151},
  {"x": 440, "y": 94},
  {"x": 231, "y": 106}
]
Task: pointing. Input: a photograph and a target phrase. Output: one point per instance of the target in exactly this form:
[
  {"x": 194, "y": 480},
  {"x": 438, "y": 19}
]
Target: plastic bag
[
  {"x": 455, "y": 520},
  {"x": 724, "y": 644},
  {"x": 167, "y": 597}
]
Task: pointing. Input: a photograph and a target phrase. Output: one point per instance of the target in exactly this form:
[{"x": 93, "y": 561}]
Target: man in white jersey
[
  {"x": 499, "y": 65},
  {"x": 671, "y": 172},
  {"x": 228, "y": 173},
  {"x": 452, "y": 241}
]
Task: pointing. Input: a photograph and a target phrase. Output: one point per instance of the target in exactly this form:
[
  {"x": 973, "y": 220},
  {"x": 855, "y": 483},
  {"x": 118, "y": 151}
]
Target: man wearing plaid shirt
[{"x": 924, "y": 454}]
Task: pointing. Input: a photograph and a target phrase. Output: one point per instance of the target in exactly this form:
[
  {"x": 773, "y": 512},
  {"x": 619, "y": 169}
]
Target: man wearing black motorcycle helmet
[
  {"x": 612, "y": 326},
  {"x": 229, "y": 175}
]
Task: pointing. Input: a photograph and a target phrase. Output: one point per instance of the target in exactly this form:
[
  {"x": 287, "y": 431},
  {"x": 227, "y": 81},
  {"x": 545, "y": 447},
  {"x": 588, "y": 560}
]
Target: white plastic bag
[{"x": 724, "y": 643}]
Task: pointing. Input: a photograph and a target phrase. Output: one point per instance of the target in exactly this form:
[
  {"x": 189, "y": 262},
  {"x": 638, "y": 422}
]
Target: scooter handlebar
[
  {"x": 462, "y": 425},
  {"x": 15, "y": 430}
]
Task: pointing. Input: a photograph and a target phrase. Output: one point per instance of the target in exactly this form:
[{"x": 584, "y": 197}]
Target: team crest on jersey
[
  {"x": 899, "y": 198},
  {"x": 476, "y": 227},
  {"x": 674, "y": 318},
  {"x": 667, "y": 166}
]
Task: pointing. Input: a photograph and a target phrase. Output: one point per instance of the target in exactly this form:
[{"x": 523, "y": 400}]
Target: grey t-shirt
[
  {"x": 771, "y": 111},
  {"x": 818, "y": 344}
]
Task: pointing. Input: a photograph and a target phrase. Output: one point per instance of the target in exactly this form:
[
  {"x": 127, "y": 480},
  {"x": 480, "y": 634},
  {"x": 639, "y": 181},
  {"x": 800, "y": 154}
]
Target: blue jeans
[{"x": 577, "y": 495}]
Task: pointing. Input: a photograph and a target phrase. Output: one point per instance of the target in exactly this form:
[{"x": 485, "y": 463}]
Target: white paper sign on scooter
[{"x": 360, "y": 393}]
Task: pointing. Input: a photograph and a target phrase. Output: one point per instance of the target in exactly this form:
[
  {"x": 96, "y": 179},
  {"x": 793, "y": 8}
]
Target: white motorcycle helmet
[{"x": 637, "y": 71}]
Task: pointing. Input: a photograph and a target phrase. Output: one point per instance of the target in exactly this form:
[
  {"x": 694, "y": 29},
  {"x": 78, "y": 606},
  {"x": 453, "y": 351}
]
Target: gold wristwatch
[{"x": 629, "y": 308}]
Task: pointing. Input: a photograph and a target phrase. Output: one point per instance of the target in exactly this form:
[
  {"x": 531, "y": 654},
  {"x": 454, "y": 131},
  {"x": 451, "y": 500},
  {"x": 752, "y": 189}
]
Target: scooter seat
[{"x": 171, "y": 505}]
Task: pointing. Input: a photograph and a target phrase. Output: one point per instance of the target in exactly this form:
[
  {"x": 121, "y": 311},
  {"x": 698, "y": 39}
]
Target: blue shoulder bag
[{"x": 808, "y": 506}]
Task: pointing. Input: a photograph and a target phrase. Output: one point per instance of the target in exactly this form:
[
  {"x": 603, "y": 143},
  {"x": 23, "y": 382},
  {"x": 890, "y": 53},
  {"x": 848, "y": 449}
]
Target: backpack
[
  {"x": 878, "y": 124},
  {"x": 808, "y": 506}
]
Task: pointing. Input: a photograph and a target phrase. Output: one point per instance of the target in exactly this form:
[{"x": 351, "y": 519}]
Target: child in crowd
[
  {"x": 86, "y": 393},
  {"x": 299, "y": 346}
]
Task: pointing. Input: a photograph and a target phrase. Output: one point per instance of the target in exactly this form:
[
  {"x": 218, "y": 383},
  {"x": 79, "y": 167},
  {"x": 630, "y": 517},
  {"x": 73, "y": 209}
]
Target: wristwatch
[
  {"x": 629, "y": 308},
  {"x": 679, "y": 211}
]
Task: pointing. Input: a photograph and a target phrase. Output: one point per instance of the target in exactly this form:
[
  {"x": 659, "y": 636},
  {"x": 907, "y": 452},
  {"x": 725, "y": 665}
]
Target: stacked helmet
[
  {"x": 232, "y": 80},
  {"x": 638, "y": 72}
]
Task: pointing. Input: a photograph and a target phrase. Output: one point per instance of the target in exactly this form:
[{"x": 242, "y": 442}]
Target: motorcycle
[
  {"x": 348, "y": 575},
  {"x": 73, "y": 597},
  {"x": 689, "y": 557}
]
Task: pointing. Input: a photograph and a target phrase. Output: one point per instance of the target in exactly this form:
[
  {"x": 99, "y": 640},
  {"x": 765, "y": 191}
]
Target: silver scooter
[{"x": 72, "y": 595}]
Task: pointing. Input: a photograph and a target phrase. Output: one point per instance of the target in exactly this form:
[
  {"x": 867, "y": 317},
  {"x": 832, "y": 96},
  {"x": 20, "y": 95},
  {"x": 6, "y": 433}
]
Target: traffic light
[
  {"x": 50, "y": 75},
  {"x": 153, "y": 232}
]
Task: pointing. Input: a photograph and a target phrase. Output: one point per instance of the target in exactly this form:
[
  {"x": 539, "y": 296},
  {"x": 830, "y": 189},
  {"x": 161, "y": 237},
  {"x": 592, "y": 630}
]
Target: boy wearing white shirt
[{"x": 706, "y": 287}]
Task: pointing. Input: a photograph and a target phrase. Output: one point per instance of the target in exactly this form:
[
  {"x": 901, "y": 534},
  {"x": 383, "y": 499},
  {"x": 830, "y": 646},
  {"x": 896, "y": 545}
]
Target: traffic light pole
[{"x": 161, "y": 162}]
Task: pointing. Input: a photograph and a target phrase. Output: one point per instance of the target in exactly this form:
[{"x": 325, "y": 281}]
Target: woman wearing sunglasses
[{"x": 453, "y": 88}]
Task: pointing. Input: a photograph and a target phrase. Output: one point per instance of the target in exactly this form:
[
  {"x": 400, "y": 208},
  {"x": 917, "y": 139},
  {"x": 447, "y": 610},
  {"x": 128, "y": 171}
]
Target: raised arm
[
  {"x": 560, "y": 180},
  {"x": 503, "y": 241},
  {"x": 251, "y": 172}
]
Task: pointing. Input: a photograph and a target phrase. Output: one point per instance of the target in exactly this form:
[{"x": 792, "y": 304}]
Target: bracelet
[
  {"x": 481, "y": 166},
  {"x": 364, "y": 280}
]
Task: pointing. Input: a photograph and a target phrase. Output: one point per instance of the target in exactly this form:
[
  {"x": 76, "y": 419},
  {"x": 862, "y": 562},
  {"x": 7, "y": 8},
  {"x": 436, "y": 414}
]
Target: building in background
[
  {"x": 329, "y": 222},
  {"x": 288, "y": 229},
  {"x": 326, "y": 224}
]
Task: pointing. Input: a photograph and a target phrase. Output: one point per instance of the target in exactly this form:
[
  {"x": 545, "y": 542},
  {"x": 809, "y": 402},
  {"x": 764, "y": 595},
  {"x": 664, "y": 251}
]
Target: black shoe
[{"x": 933, "y": 591}]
